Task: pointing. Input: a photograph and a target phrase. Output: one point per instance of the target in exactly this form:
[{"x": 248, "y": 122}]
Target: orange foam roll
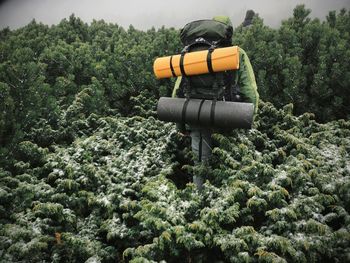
[{"x": 197, "y": 62}]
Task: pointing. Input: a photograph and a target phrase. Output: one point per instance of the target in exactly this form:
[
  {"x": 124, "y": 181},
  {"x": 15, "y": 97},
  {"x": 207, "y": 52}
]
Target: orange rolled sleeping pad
[{"x": 197, "y": 62}]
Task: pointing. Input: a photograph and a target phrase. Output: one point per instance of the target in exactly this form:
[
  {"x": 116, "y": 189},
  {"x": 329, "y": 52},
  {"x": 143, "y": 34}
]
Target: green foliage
[
  {"x": 53, "y": 76},
  {"x": 30, "y": 152},
  {"x": 304, "y": 61},
  {"x": 87, "y": 173},
  {"x": 6, "y": 111},
  {"x": 276, "y": 193}
]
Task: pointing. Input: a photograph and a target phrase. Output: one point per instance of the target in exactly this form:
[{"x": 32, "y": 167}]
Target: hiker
[{"x": 236, "y": 85}]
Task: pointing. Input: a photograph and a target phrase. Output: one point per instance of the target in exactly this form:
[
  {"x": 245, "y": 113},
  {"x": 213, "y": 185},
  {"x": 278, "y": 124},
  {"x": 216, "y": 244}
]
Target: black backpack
[{"x": 207, "y": 35}]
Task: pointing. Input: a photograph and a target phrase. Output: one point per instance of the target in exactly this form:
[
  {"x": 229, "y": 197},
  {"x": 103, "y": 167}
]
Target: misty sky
[{"x": 144, "y": 14}]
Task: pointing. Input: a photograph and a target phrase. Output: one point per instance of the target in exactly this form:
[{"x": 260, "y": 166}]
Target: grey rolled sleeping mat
[{"x": 206, "y": 113}]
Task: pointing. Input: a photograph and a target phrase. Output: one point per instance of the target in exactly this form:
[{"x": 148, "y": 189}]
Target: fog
[{"x": 144, "y": 14}]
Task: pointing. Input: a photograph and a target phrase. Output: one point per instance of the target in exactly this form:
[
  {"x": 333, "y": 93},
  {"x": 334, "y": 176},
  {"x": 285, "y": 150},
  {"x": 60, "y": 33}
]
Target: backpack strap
[
  {"x": 200, "y": 109},
  {"x": 219, "y": 85},
  {"x": 212, "y": 112},
  {"x": 200, "y": 41},
  {"x": 186, "y": 86},
  {"x": 184, "y": 109},
  {"x": 232, "y": 88},
  {"x": 182, "y": 68},
  {"x": 172, "y": 67},
  {"x": 209, "y": 62},
  {"x": 236, "y": 94}
]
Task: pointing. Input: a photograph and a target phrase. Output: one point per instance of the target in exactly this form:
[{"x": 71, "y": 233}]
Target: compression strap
[
  {"x": 209, "y": 62},
  {"x": 182, "y": 57},
  {"x": 199, "y": 110},
  {"x": 184, "y": 109},
  {"x": 171, "y": 67},
  {"x": 212, "y": 112}
]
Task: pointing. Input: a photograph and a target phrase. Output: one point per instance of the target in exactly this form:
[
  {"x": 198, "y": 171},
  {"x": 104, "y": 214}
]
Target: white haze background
[{"x": 143, "y": 14}]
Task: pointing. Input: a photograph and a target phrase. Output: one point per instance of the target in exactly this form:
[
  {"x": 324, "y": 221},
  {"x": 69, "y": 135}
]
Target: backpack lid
[
  {"x": 210, "y": 30},
  {"x": 224, "y": 19}
]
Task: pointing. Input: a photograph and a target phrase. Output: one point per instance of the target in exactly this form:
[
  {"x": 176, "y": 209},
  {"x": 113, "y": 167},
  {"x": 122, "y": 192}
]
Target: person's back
[{"x": 236, "y": 85}]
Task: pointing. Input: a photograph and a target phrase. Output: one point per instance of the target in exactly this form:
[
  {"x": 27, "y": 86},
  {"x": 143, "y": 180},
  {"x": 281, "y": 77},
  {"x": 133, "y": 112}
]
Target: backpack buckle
[
  {"x": 200, "y": 40},
  {"x": 185, "y": 50}
]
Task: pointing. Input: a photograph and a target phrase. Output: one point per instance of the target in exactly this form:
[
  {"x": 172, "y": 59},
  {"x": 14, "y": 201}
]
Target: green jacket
[{"x": 244, "y": 77}]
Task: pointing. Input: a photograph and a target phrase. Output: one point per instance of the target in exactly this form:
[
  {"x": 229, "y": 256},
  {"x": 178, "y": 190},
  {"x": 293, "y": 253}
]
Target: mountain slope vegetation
[
  {"x": 88, "y": 173},
  {"x": 278, "y": 192}
]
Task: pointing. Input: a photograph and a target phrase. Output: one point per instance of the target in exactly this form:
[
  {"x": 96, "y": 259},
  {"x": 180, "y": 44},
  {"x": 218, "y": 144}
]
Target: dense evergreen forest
[{"x": 88, "y": 173}]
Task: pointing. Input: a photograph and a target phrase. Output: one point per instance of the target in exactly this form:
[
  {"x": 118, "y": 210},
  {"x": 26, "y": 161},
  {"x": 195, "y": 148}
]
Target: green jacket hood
[{"x": 223, "y": 19}]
